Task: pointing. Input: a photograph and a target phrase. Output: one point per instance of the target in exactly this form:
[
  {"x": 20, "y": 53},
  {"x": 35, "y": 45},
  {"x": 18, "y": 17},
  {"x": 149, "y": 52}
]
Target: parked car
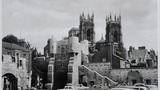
[
  {"x": 121, "y": 89},
  {"x": 134, "y": 87},
  {"x": 141, "y": 88},
  {"x": 32, "y": 88},
  {"x": 139, "y": 84},
  {"x": 69, "y": 88},
  {"x": 101, "y": 86},
  {"x": 80, "y": 86},
  {"x": 69, "y": 84},
  {"x": 152, "y": 87},
  {"x": 95, "y": 86}
]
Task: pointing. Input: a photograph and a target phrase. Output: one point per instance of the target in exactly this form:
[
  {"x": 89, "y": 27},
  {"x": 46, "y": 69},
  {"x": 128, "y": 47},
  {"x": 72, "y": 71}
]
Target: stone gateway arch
[{"x": 9, "y": 82}]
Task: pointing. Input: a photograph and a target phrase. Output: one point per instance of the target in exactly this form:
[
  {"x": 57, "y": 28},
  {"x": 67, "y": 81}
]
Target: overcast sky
[{"x": 38, "y": 20}]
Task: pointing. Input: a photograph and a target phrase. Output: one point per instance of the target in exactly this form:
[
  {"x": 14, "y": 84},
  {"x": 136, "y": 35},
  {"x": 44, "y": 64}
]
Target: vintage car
[
  {"x": 134, "y": 87},
  {"x": 152, "y": 87},
  {"x": 68, "y": 88},
  {"x": 32, "y": 88},
  {"x": 139, "y": 84},
  {"x": 121, "y": 89},
  {"x": 80, "y": 86}
]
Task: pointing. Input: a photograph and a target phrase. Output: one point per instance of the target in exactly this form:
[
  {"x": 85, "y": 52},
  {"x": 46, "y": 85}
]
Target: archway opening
[
  {"x": 9, "y": 82},
  {"x": 134, "y": 77}
]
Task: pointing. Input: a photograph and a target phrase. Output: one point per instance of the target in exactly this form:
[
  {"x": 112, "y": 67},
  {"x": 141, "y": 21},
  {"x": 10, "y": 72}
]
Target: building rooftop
[
  {"x": 136, "y": 54},
  {"x": 74, "y": 28},
  {"x": 13, "y": 46},
  {"x": 102, "y": 40}
]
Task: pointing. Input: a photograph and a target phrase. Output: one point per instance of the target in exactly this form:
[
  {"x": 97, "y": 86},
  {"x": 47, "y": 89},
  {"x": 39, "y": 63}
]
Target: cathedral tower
[
  {"x": 113, "y": 32},
  {"x": 114, "y": 43},
  {"x": 86, "y": 28}
]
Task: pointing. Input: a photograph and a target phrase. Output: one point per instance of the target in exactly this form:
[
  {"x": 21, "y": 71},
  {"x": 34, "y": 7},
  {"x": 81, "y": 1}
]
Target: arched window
[
  {"x": 88, "y": 34},
  {"x": 115, "y": 39}
]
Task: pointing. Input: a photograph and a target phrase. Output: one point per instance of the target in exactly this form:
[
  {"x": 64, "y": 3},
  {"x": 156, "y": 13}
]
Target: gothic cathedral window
[
  {"x": 88, "y": 34},
  {"x": 115, "y": 37}
]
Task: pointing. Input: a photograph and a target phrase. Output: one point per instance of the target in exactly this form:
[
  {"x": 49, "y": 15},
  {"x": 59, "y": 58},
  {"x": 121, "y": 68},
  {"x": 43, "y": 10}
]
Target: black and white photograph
[{"x": 79, "y": 45}]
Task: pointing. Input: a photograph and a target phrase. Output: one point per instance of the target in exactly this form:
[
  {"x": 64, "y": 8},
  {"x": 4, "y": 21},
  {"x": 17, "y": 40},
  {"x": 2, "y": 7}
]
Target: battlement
[
  {"x": 88, "y": 18},
  {"x": 117, "y": 19}
]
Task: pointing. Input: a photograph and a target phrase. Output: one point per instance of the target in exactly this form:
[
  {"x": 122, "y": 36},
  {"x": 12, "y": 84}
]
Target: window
[
  {"x": 17, "y": 55},
  {"x": 20, "y": 63},
  {"x": 88, "y": 34},
  {"x": 17, "y": 63},
  {"x": 133, "y": 61},
  {"x": 13, "y": 59},
  {"x": 78, "y": 35},
  {"x": 148, "y": 81},
  {"x": 139, "y": 59},
  {"x": 24, "y": 55},
  {"x": 115, "y": 36},
  {"x": 70, "y": 69},
  {"x": 8, "y": 53},
  {"x": 62, "y": 50}
]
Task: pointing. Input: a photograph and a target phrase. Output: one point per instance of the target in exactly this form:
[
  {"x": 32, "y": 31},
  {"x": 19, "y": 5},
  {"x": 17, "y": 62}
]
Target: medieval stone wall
[
  {"x": 10, "y": 67},
  {"x": 102, "y": 68},
  {"x": 121, "y": 74}
]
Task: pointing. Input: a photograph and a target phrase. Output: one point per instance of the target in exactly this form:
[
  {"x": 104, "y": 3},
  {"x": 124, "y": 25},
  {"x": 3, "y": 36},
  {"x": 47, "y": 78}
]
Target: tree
[
  {"x": 10, "y": 39},
  {"x": 28, "y": 45},
  {"x": 39, "y": 68},
  {"x": 34, "y": 53}
]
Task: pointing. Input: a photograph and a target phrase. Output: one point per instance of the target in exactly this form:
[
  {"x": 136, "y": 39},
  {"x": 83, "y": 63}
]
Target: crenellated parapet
[
  {"x": 115, "y": 19},
  {"x": 88, "y": 18}
]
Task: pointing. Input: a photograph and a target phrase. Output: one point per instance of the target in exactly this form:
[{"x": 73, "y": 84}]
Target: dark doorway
[
  {"x": 9, "y": 82},
  {"x": 148, "y": 82},
  {"x": 134, "y": 77}
]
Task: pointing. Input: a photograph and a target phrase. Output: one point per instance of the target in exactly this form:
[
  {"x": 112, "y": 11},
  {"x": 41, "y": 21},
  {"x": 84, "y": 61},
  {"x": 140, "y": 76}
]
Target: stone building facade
[
  {"x": 16, "y": 66},
  {"x": 58, "y": 64},
  {"x": 79, "y": 59},
  {"x": 141, "y": 57},
  {"x": 135, "y": 75}
]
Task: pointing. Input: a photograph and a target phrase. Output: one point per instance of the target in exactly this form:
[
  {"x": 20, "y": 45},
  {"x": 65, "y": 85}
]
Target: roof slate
[
  {"x": 13, "y": 46},
  {"x": 136, "y": 54}
]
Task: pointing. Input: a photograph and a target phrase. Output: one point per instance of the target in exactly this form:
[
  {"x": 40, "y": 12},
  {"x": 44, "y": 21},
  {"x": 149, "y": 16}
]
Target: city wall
[{"x": 121, "y": 74}]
